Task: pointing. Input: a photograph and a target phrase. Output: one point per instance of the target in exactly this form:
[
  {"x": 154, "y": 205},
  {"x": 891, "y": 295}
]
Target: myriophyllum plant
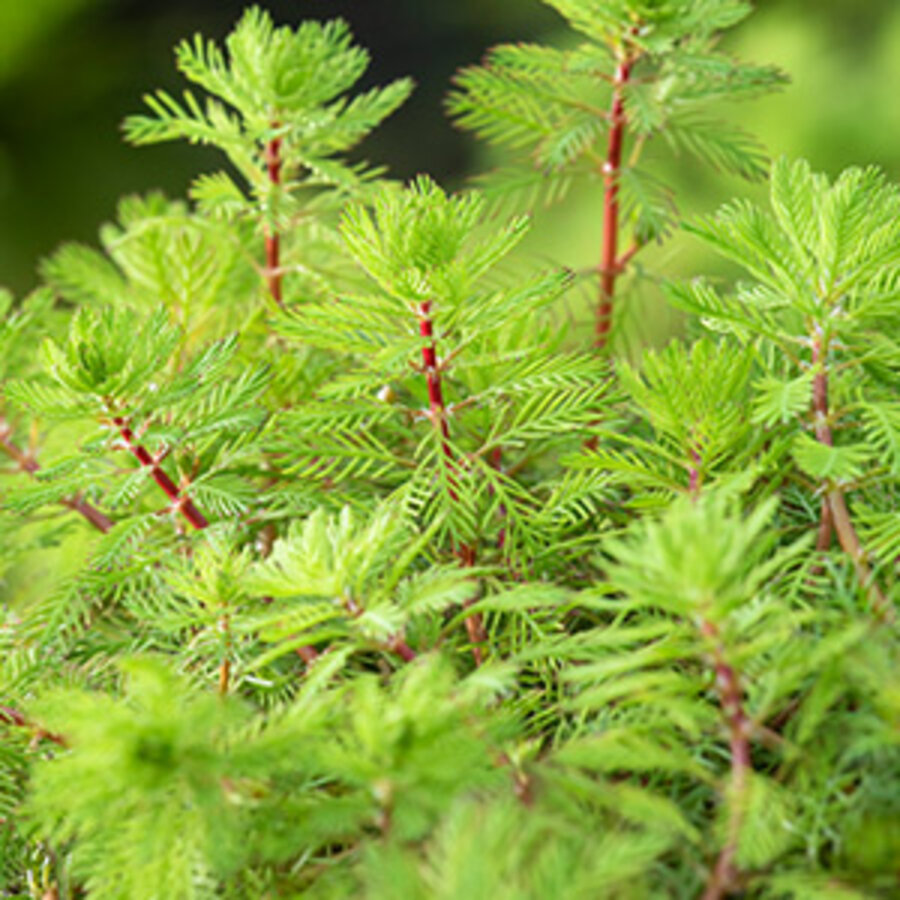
[
  {"x": 642, "y": 72},
  {"x": 331, "y": 569},
  {"x": 823, "y": 260},
  {"x": 434, "y": 327},
  {"x": 279, "y": 108}
]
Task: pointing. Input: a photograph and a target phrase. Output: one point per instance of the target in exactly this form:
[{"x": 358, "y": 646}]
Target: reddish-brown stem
[
  {"x": 273, "y": 238},
  {"x": 399, "y": 646},
  {"x": 731, "y": 700},
  {"x": 826, "y": 526},
  {"x": 90, "y": 513},
  {"x": 396, "y": 644},
  {"x": 695, "y": 478},
  {"x": 627, "y": 256},
  {"x": 25, "y": 461},
  {"x": 474, "y": 623},
  {"x": 180, "y": 502},
  {"x": 496, "y": 463},
  {"x": 823, "y": 430},
  {"x": 610, "y": 265},
  {"x": 436, "y": 403},
  {"x": 835, "y": 513},
  {"x": 438, "y": 410},
  {"x": 10, "y": 716},
  {"x": 224, "y": 675},
  {"x": 308, "y": 654},
  {"x": 28, "y": 464},
  {"x": 852, "y": 546}
]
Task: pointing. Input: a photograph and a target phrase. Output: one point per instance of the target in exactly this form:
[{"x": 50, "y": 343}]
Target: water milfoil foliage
[
  {"x": 641, "y": 74},
  {"x": 333, "y": 566},
  {"x": 279, "y": 107}
]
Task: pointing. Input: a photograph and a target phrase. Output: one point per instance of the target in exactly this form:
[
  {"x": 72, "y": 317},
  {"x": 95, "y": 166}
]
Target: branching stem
[
  {"x": 10, "y": 716},
  {"x": 28, "y": 464},
  {"x": 186, "y": 507},
  {"x": 180, "y": 502}
]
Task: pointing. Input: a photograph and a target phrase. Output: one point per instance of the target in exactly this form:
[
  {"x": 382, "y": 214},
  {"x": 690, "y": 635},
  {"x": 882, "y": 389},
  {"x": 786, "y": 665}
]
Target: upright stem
[
  {"x": 826, "y": 526},
  {"x": 224, "y": 673},
  {"x": 610, "y": 267},
  {"x": 834, "y": 505},
  {"x": 731, "y": 701},
  {"x": 436, "y": 403},
  {"x": 438, "y": 409},
  {"x": 496, "y": 459},
  {"x": 474, "y": 623},
  {"x": 823, "y": 431},
  {"x": 695, "y": 476},
  {"x": 28, "y": 464},
  {"x": 273, "y": 238}
]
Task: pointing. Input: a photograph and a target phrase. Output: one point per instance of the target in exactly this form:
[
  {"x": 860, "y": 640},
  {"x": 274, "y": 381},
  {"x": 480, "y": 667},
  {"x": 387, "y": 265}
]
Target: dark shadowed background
[{"x": 70, "y": 70}]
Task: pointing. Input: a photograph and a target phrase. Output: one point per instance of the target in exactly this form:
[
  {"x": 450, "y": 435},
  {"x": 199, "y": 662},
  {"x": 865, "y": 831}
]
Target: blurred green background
[{"x": 70, "y": 70}]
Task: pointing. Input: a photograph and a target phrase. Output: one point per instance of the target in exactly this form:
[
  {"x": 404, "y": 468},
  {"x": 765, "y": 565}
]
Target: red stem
[
  {"x": 820, "y": 392},
  {"x": 731, "y": 700},
  {"x": 834, "y": 504},
  {"x": 728, "y": 688},
  {"x": 402, "y": 649},
  {"x": 610, "y": 267},
  {"x": 308, "y": 654},
  {"x": 10, "y": 716},
  {"x": 435, "y": 388},
  {"x": 438, "y": 409},
  {"x": 224, "y": 676},
  {"x": 474, "y": 622},
  {"x": 187, "y": 508},
  {"x": 27, "y": 463},
  {"x": 273, "y": 238},
  {"x": 497, "y": 463},
  {"x": 396, "y": 644},
  {"x": 823, "y": 433},
  {"x": 180, "y": 502},
  {"x": 695, "y": 479},
  {"x": 90, "y": 513}
]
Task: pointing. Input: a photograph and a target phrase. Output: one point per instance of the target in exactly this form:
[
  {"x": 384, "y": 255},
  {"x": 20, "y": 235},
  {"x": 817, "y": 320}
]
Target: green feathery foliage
[
  {"x": 433, "y": 335},
  {"x": 641, "y": 73},
  {"x": 824, "y": 264},
  {"x": 280, "y": 109},
  {"x": 385, "y": 588},
  {"x": 656, "y": 62}
]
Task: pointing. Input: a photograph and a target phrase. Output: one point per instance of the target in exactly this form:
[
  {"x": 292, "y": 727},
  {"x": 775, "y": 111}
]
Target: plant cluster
[{"x": 333, "y": 566}]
